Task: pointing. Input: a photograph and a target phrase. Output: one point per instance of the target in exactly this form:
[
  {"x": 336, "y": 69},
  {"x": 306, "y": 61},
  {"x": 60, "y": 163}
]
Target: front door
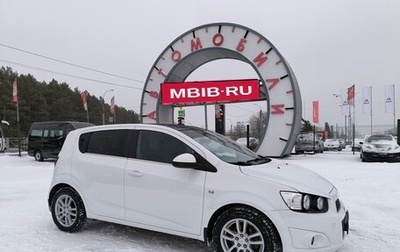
[{"x": 158, "y": 194}]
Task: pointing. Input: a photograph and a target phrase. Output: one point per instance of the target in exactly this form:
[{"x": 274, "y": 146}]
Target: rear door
[
  {"x": 99, "y": 170},
  {"x": 158, "y": 194}
]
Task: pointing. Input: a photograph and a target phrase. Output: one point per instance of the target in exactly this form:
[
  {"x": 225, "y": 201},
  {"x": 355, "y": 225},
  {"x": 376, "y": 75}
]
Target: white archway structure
[{"x": 231, "y": 41}]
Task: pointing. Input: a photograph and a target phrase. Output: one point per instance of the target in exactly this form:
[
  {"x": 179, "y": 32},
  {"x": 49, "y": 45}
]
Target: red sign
[
  {"x": 315, "y": 118},
  {"x": 200, "y": 92}
]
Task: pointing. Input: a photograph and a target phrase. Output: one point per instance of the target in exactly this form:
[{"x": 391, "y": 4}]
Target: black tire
[
  {"x": 363, "y": 159},
  {"x": 228, "y": 236},
  {"x": 38, "y": 156},
  {"x": 68, "y": 210}
]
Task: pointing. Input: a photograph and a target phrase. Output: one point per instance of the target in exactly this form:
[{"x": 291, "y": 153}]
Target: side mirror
[{"x": 185, "y": 160}]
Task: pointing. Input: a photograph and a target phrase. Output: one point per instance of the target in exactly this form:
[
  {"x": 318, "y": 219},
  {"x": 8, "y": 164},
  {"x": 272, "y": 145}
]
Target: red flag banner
[
  {"x": 315, "y": 118},
  {"x": 84, "y": 100},
  {"x": 112, "y": 107},
  {"x": 15, "y": 92},
  {"x": 351, "y": 95}
]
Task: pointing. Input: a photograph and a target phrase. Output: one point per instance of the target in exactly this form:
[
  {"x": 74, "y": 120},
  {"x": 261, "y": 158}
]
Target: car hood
[{"x": 297, "y": 177}]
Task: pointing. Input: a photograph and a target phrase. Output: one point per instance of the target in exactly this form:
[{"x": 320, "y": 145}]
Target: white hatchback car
[{"x": 195, "y": 183}]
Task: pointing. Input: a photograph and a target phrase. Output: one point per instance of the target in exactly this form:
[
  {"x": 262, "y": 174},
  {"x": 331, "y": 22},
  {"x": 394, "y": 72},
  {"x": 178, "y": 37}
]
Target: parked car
[
  {"x": 342, "y": 143},
  {"x": 332, "y": 144},
  {"x": 380, "y": 147},
  {"x": 188, "y": 181},
  {"x": 357, "y": 144},
  {"x": 309, "y": 142},
  {"x": 45, "y": 139},
  {"x": 2, "y": 138}
]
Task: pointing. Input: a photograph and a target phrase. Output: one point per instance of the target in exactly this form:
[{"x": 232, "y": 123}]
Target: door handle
[{"x": 135, "y": 173}]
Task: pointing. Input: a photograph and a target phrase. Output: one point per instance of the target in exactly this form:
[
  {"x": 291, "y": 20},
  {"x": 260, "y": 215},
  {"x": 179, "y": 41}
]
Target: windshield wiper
[{"x": 259, "y": 160}]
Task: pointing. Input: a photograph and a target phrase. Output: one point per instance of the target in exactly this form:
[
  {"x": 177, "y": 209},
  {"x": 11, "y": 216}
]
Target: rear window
[{"x": 107, "y": 142}]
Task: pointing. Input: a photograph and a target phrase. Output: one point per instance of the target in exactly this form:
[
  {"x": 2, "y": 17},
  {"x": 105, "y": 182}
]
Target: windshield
[
  {"x": 376, "y": 138},
  {"x": 224, "y": 148},
  {"x": 331, "y": 140},
  {"x": 306, "y": 137}
]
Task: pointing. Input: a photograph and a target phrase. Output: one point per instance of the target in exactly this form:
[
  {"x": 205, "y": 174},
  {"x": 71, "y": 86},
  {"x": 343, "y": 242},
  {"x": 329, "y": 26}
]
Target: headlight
[
  {"x": 306, "y": 202},
  {"x": 303, "y": 202},
  {"x": 320, "y": 203}
]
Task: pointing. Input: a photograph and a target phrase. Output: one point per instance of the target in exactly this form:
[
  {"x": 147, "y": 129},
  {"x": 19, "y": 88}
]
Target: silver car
[
  {"x": 308, "y": 142},
  {"x": 382, "y": 147}
]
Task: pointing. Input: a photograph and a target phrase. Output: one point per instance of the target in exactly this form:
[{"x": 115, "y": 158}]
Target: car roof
[{"x": 142, "y": 126}]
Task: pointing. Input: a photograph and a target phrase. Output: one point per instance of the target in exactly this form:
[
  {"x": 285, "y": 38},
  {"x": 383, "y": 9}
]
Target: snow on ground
[{"x": 370, "y": 191}]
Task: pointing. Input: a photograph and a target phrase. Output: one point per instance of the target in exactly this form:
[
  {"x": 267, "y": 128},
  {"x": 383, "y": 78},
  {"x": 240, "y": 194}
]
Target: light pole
[
  {"x": 343, "y": 113},
  {"x": 260, "y": 119},
  {"x": 103, "y": 105},
  {"x": 231, "y": 126}
]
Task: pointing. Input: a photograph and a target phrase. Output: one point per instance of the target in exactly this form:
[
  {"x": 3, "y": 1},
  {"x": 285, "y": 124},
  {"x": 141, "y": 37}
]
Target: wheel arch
[
  {"x": 55, "y": 189},
  {"x": 211, "y": 222}
]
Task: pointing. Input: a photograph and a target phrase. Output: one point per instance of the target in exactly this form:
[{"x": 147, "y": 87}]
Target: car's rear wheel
[
  {"x": 38, "y": 155},
  {"x": 68, "y": 210},
  {"x": 244, "y": 229}
]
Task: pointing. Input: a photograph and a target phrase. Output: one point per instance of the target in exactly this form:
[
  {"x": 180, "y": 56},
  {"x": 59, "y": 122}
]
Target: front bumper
[
  {"x": 315, "y": 232},
  {"x": 306, "y": 148},
  {"x": 381, "y": 156},
  {"x": 331, "y": 147}
]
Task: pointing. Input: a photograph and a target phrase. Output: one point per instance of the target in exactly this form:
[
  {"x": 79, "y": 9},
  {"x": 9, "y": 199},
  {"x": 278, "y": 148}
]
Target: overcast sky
[{"x": 330, "y": 46}]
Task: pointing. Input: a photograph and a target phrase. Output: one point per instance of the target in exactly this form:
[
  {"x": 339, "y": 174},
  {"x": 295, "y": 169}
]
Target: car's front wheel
[
  {"x": 38, "y": 155},
  {"x": 68, "y": 210},
  {"x": 245, "y": 229}
]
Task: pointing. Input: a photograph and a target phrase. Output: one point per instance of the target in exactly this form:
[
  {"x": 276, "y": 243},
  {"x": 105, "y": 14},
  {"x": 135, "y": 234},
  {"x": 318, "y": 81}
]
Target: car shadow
[{"x": 149, "y": 240}]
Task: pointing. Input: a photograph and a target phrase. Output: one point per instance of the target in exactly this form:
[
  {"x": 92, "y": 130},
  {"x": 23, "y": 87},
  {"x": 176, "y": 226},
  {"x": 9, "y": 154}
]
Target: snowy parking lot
[{"x": 370, "y": 191}]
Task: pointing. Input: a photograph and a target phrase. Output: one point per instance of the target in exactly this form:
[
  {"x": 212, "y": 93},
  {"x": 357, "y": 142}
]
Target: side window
[
  {"x": 160, "y": 147},
  {"x": 36, "y": 133},
  {"x": 107, "y": 142},
  {"x": 56, "y": 133}
]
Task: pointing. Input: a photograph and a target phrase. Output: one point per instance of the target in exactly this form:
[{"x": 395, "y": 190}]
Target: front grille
[
  {"x": 345, "y": 224},
  {"x": 338, "y": 205}
]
